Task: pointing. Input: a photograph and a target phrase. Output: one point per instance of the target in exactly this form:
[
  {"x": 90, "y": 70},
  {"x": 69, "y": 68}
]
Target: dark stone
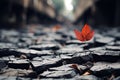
[
  {"x": 3, "y": 65},
  {"x": 8, "y": 52},
  {"x": 106, "y": 55},
  {"x": 19, "y": 64},
  {"x": 102, "y": 69}
]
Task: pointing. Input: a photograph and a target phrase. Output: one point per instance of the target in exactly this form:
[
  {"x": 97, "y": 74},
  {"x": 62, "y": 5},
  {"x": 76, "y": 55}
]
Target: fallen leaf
[
  {"x": 56, "y": 27},
  {"x": 85, "y": 35}
]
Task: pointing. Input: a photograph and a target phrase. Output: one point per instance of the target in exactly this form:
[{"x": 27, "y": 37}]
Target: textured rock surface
[{"x": 49, "y": 55}]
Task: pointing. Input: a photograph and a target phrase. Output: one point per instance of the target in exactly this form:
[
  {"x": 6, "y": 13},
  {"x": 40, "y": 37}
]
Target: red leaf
[
  {"x": 79, "y": 35},
  {"x": 86, "y": 33},
  {"x": 90, "y": 35},
  {"x": 86, "y": 30}
]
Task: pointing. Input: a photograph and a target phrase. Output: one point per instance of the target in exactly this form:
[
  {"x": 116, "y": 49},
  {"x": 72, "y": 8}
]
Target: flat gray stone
[
  {"x": 98, "y": 66},
  {"x": 62, "y": 68},
  {"x": 69, "y": 50},
  {"x": 114, "y": 48},
  {"x": 32, "y": 51},
  {"x": 87, "y": 77},
  {"x": 45, "y": 62},
  {"x": 107, "y": 52},
  {"x": 60, "y": 74},
  {"x": 105, "y": 40},
  {"x": 15, "y": 72},
  {"x": 49, "y": 46}
]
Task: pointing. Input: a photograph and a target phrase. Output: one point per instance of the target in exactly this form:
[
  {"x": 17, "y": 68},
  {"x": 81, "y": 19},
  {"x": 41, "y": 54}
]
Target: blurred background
[{"x": 17, "y": 13}]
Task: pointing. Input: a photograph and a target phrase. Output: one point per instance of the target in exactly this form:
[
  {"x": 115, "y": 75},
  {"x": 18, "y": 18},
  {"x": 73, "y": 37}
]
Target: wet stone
[
  {"x": 10, "y": 78},
  {"x": 37, "y": 59},
  {"x": 21, "y": 45},
  {"x": 98, "y": 36},
  {"x": 69, "y": 50},
  {"x": 78, "y": 42},
  {"x": 65, "y": 56},
  {"x": 87, "y": 77},
  {"x": 98, "y": 66},
  {"x": 73, "y": 42},
  {"x": 104, "y": 40},
  {"x": 107, "y": 52},
  {"x": 81, "y": 54},
  {"x": 45, "y": 62},
  {"x": 18, "y": 64},
  {"x": 54, "y": 36},
  {"x": 45, "y": 47},
  {"x": 60, "y": 74},
  {"x": 72, "y": 45},
  {"x": 3, "y": 65},
  {"x": 9, "y": 52},
  {"x": 7, "y": 45},
  {"x": 65, "y": 67},
  {"x": 14, "y": 72},
  {"x": 8, "y": 58},
  {"x": 114, "y": 48},
  {"x": 106, "y": 56},
  {"x": 45, "y": 54},
  {"x": 37, "y": 63},
  {"x": 97, "y": 48},
  {"x": 33, "y": 52},
  {"x": 76, "y": 45},
  {"x": 48, "y": 57},
  {"x": 102, "y": 69}
]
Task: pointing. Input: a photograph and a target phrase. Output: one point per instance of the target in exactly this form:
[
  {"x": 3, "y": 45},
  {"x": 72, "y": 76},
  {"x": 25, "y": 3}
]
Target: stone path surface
[{"x": 56, "y": 55}]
